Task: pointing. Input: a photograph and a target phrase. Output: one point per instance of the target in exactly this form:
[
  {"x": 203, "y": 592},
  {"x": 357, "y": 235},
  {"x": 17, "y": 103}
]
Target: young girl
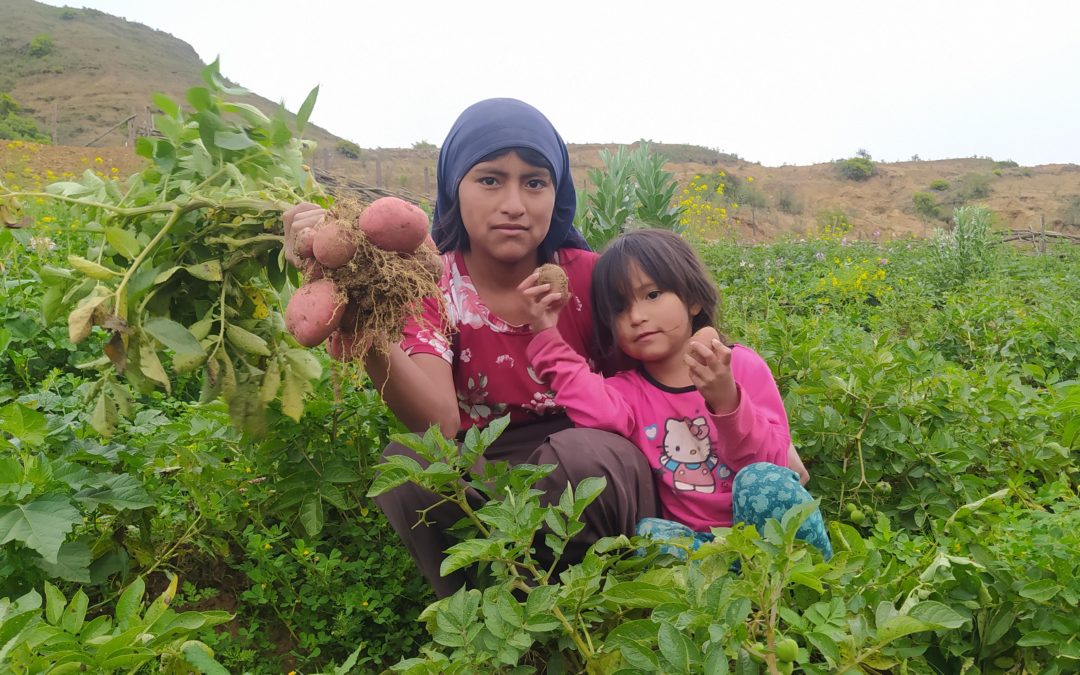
[{"x": 707, "y": 416}]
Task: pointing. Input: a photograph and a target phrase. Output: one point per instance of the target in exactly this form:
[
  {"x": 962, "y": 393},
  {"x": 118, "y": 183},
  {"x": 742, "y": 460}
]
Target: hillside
[{"x": 90, "y": 83}]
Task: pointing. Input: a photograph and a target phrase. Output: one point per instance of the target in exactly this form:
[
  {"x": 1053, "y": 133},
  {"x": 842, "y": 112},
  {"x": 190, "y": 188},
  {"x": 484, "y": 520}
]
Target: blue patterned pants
[{"x": 760, "y": 491}]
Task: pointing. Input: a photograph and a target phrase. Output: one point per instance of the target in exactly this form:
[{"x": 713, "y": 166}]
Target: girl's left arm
[{"x": 757, "y": 430}]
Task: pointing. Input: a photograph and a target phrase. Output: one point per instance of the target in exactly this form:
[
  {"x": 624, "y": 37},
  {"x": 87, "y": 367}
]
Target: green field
[{"x": 165, "y": 507}]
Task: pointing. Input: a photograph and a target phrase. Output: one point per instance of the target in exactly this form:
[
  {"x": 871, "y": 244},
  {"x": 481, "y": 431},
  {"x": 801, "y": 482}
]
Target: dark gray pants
[{"x": 578, "y": 453}]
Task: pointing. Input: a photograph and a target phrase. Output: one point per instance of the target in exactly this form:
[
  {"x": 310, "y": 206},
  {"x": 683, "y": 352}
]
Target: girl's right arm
[
  {"x": 589, "y": 399},
  {"x": 419, "y": 389}
]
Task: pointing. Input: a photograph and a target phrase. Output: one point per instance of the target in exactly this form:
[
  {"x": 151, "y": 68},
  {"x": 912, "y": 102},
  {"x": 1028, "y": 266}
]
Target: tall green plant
[
  {"x": 966, "y": 251},
  {"x": 632, "y": 190},
  {"x": 186, "y": 272}
]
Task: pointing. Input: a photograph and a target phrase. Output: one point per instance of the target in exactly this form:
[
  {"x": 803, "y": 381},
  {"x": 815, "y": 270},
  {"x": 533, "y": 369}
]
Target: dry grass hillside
[{"x": 99, "y": 70}]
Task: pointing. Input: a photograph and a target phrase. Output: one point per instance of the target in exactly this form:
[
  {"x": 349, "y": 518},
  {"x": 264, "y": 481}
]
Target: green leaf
[
  {"x": 54, "y": 604},
  {"x": 898, "y": 627},
  {"x": 200, "y": 98},
  {"x": 586, "y": 491},
  {"x": 1041, "y": 638},
  {"x": 122, "y": 492},
  {"x": 91, "y": 268},
  {"x": 165, "y": 104},
  {"x": 250, "y": 113},
  {"x": 103, "y": 419},
  {"x": 676, "y": 648},
  {"x": 232, "y": 140},
  {"x": 641, "y": 594},
  {"x": 123, "y": 241},
  {"x": 25, "y": 424},
  {"x": 937, "y": 615},
  {"x": 187, "y": 352},
  {"x": 41, "y": 524},
  {"x": 75, "y": 613},
  {"x": 127, "y": 607},
  {"x": 72, "y": 562},
  {"x": 246, "y": 341},
  {"x": 304, "y": 363},
  {"x": 1042, "y": 590},
  {"x": 292, "y": 395},
  {"x": 468, "y": 552},
  {"x": 306, "y": 107},
  {"x": 209, "y": 270},
  {"x": 150, "y": 365},
  {"x": 311, "y": 513}
]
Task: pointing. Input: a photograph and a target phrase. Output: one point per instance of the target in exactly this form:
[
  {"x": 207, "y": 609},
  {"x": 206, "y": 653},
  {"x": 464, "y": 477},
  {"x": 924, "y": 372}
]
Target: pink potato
[
  {"x": 305, "y": 239},
  {"x": 334, "y": 245},
  {"x": 314, "y": 312},
  {"x": 393, "y": 224}
]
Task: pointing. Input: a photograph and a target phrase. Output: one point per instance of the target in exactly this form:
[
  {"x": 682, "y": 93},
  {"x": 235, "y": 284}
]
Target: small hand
[
  {"x": 541, "y": 304},
  {"x": 300, "y": 221},
  {"x": 710, "y": 371}
]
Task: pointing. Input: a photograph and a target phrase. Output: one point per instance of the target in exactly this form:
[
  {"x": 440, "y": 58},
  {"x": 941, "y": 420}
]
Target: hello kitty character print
[
  {"x": 688, "y": 454},
  {"x": 694, "y": 454}
]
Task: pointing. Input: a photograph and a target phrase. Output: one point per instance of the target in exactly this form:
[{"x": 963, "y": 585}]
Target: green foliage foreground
[{"x": 932, "y": 388}]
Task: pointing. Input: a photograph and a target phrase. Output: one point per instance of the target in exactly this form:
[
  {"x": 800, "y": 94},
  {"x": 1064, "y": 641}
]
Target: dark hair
[
  {"x": 457, "y": 239},
  {"x": 670, "y": 263}
]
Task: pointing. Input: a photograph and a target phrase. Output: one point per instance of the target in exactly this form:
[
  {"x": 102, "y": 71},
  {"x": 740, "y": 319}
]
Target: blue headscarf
[{"x": 498, "y": 124}]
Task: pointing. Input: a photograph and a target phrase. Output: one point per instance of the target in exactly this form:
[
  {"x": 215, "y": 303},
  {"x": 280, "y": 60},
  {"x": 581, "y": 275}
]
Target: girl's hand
[
  {"x": 541, "y": 304},
  {"x": 709, "y": 361},
  {"x": 299, "y": 222}
]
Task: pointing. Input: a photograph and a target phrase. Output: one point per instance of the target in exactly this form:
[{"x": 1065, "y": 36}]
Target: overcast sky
[{"x": 777, "y": 82}]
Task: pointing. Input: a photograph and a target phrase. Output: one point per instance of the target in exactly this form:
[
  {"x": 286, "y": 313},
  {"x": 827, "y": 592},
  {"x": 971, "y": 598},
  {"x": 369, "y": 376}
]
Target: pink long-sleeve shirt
[{"x": 694, "y": 453}]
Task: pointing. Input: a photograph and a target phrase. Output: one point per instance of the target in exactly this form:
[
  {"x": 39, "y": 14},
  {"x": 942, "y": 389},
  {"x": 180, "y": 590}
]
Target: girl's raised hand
[
  {"x": 709, "y": 361},
  {"x": 541, "y": 304}
]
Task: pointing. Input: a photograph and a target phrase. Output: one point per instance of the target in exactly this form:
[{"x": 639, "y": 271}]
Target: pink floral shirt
[{"x": 492, "y": 374}]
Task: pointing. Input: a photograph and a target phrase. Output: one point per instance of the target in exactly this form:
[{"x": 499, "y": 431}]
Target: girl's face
[
  {"x": 506, "y": 206},
  {"x": 656, "y": 324}
]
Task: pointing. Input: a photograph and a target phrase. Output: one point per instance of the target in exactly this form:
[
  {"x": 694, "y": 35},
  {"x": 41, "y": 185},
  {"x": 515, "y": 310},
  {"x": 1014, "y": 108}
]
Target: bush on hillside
[
  {"x": 14, "y": 126},
  {"x": 348, "y": 149},
  {"x": 856, "y": 168}
]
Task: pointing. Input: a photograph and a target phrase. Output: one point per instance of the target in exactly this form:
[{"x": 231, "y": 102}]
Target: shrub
[
  {"x": 926, "y": 206},
  {"x": 832, "y": 224},
  {"x": 1070, "y": 213},
  {"x": 348, "y": 149},
  {"x": 966, "y": 251},
  {"x": 939, "y": 185},
  {"x": 17, "y": 127},
  {"x": 974, "y": 186},
  {"x": 856, "y": 168},
  {"x": 1006, "y": 164},
  {"x": 424, "y": 146},
  {"x": 41, "y": 45},
  {"x": 787, "y": 201}
]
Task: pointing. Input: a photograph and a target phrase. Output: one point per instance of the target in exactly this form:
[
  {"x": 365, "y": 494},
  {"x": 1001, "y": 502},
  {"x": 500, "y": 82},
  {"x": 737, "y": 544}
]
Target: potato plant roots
[{"x": 382, "y": 289}]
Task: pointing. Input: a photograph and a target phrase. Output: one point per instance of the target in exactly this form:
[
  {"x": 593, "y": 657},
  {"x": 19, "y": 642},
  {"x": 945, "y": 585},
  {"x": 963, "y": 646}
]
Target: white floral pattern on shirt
[
  {"x": 473, "y": 402},
  {"x": 463, "y": 304},
  {"x": 436, "y": 341}
]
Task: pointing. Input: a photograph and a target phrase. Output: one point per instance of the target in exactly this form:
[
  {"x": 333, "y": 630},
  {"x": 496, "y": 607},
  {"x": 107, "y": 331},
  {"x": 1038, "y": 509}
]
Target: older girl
[{"x": 505, "y": 205}]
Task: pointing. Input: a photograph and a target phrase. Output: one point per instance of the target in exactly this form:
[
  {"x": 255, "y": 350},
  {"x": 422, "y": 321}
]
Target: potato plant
[{"x": 184, "y": 271}]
